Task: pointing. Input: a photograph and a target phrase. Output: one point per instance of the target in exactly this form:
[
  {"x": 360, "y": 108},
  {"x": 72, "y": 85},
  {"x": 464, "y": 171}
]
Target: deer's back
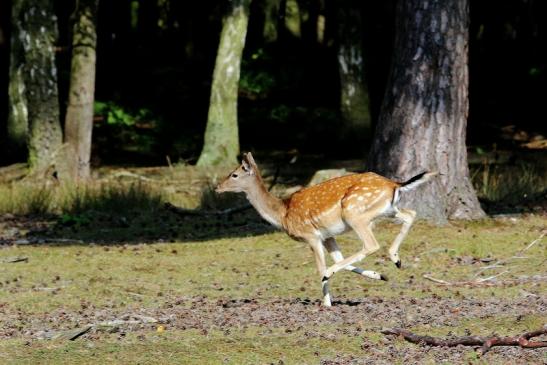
[{"x": 319, "y": 207}]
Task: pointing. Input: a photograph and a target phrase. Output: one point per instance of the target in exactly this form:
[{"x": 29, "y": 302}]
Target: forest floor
[
  {"x": 109, "y": 274},
  {"x": 252, "y": 296}
]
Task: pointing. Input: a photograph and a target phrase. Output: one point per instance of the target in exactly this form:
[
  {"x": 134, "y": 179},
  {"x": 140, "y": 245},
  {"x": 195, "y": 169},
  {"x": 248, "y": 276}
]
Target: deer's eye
[{"x": 234, "y": 175}]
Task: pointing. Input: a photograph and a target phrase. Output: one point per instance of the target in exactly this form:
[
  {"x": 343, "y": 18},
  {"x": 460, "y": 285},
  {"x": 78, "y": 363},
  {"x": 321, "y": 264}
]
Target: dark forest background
[{"x": 155, "y": 61}]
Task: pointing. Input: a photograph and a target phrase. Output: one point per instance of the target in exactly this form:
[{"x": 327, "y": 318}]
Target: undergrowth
[
  {"x": 25, "y": 199},
  {"x": 508, "y": 184}
]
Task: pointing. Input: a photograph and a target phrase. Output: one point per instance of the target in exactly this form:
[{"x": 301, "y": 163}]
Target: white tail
[{"x": 318, "y": 213}]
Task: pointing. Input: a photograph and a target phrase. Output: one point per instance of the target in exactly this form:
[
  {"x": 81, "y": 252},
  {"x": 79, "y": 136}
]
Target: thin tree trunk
[
  {"x": 221, "y": 145},
  {"x": 422, "y": 125},
  {"x": 271, "y": 16},
  {"x": 37, "y": 29},
  {"x": 18, "y": 112},
  {"x": 292, "y": 18},
  {"x": 79, "y": 115},
  {"x": 354, "y": 98}
]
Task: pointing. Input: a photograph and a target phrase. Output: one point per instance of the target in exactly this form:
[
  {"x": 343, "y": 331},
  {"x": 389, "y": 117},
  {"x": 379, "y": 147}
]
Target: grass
[
  {"x": 138, "y": 256},
  {"x": 126, "y": 278},
  {"x": 508, "y": 185}
]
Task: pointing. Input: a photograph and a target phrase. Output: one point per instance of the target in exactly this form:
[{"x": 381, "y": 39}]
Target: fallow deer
[{"x": 318, "y": 213}]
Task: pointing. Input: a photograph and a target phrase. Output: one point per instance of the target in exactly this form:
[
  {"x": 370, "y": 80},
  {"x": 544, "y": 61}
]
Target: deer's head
[{"x": 243, "y": 178}]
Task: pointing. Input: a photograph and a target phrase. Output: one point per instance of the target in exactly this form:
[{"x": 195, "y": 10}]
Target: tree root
[{"x": 485, "y": 343}]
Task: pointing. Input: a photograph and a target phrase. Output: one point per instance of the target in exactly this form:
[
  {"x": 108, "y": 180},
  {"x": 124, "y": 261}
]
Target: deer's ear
[
  {"x": 245, "y": 166},
  {"x": 248, "y": 163},
  {"x": 248, "y": 157}
]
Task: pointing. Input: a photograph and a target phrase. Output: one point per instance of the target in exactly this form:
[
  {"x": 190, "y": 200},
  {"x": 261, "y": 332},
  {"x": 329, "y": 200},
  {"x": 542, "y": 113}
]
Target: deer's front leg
[{"x": 317, "y": 248}]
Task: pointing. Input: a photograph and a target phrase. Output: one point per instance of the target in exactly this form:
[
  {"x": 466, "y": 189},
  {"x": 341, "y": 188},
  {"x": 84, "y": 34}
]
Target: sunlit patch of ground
[{"x": 253, "y": 297}]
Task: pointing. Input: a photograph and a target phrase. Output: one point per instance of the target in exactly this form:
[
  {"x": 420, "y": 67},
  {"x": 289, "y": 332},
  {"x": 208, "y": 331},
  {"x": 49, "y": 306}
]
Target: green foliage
[
  {"x": 280, "y": 113},
  {"x": 74, "y": 220},
  {"x": 115, "y": 114},
  {"x": 256, "y": 79}
]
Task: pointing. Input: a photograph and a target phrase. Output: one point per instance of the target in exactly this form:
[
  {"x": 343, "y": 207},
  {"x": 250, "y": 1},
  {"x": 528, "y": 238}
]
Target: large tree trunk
[
  {"x": 37, "y": 28},
  {"x": 79, "y": 114},
  {"x": 18, "y": 112},
  {"x": 221, "y": 145},
  {"x": 422, "y": 125},
  {"x": 354, "y": 99}
]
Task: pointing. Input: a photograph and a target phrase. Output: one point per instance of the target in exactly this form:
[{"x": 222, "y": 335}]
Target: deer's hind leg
[
  {"x": 407, "y": 217},
  {"x": 334, "y": 250},
  {"x": 370, "y": 245}
]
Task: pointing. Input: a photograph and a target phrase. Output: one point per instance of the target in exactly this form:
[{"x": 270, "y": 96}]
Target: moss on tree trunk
[
  {"x": 422, "y": 125},
  {"x": 221, "y": 145},
  {"x": 79, "y": 115}
]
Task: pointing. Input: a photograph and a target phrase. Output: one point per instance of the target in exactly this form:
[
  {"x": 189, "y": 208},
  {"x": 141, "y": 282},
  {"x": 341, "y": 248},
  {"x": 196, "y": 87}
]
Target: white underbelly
[{"x": 332, "y": 230}]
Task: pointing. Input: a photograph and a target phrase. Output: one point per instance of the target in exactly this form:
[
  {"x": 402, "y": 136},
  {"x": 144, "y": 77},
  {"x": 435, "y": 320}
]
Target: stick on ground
[{"x": 485, "y": 343}]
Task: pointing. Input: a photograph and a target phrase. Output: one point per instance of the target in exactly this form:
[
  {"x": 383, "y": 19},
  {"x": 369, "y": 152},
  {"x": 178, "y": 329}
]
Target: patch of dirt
[{"x": 348, "y": 318}]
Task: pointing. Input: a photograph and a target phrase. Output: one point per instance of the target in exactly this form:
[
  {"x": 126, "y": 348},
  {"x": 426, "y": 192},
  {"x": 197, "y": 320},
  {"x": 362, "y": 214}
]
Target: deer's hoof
[{"x": 398, "y": 264}]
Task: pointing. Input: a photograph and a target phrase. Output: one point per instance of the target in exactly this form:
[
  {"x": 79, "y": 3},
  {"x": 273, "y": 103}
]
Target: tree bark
[
  {"x": 18, "y": 112},
  {"x": 422, "y": 124},
  {"x": 37, "y": 29},
  {"x": 221, "y": 145},
  {"x": 354, "y": 98},
  {"x": 79, "y": 115}
]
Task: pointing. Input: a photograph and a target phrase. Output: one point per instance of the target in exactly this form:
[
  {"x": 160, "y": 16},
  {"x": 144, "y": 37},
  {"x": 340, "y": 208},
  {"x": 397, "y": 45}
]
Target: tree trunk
[
  {"x": 37, "y": 29},
  {"x": 292, "y": 18},
  {"x": 422, "y": 124},
  {"x": 221, "y": 145},
  {"x": 271, "y": 20},
  {"x": 354, "y": 99},
  {"x": 79, "y": 114},
  {"x": 18, "y": 112}
]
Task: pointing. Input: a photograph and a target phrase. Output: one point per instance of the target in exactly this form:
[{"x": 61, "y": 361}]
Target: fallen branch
[
  {"x": 14, "y": 259},
  {"x": 485, "y": 343}
]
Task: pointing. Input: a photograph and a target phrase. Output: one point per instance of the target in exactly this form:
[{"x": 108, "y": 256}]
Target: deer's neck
[{"x": 267, "y": 205}]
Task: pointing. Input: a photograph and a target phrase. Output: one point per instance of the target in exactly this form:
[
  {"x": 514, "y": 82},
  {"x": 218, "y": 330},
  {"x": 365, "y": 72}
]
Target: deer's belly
[{"x": 332, "y": 229}]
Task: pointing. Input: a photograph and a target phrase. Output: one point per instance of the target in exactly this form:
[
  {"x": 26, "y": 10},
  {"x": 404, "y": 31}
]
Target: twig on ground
[
  {"x": 468, "y": 282},
  {"x": 485, "y": 343},
  {"x": 500, "y": 263},
  {"x": 481, "y": 280},
  {"x": 440, "y": 281}
]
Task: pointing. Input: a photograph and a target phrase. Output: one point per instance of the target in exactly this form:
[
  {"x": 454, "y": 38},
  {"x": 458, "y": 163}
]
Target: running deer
[{"x": 318, "y": 213}]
